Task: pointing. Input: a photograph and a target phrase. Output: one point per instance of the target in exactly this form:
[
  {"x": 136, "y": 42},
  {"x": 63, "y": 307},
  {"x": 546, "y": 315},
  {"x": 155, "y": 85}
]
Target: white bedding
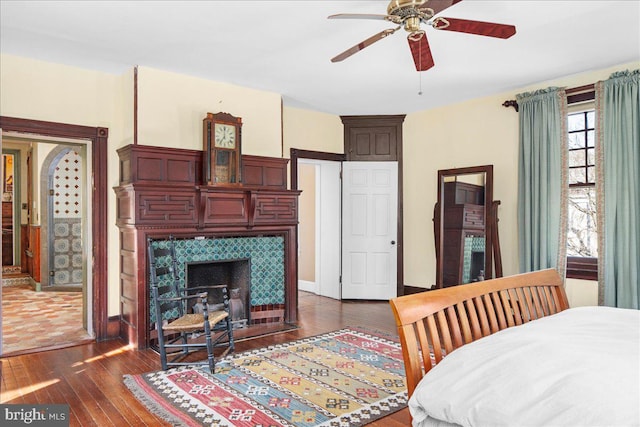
[{"x": 580, "y": 367}]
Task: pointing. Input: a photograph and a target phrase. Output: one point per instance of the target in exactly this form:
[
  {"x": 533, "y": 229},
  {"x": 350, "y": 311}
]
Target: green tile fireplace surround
[{"x": 264, "y": 254}]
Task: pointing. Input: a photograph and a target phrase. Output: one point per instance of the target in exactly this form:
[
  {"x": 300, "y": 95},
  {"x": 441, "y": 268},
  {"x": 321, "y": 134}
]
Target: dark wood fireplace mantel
[{"x": 161, "y": 192}]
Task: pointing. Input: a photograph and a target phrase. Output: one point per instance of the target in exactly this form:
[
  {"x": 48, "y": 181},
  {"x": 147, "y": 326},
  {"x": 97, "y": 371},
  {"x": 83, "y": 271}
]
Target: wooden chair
[{"x": 179, "y": 326}]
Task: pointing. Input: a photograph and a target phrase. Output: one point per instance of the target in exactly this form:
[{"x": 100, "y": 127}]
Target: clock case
[{"x": 222, "y": 166}]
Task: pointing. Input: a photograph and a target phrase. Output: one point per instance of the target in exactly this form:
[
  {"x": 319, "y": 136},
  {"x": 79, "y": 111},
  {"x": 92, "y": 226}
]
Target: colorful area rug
[{"x": 349, "y": 377}]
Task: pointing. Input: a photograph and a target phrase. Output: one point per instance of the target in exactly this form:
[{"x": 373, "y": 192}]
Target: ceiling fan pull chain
[{"x": 419, "y": 72}]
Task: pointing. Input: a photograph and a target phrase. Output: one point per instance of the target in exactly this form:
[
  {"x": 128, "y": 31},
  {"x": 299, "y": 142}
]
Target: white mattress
[{"x": 580, "y": 367}]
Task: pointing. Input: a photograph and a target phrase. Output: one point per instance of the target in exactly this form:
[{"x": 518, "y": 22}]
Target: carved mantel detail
[{"x": 161, "y": 192}]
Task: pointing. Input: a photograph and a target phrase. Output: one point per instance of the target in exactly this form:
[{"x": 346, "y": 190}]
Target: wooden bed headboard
[{"x": 451, "y": 317}]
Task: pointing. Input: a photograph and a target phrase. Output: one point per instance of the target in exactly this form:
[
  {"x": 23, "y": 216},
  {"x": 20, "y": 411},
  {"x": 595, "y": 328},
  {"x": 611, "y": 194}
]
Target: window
[{"x": 582, "y": 235}]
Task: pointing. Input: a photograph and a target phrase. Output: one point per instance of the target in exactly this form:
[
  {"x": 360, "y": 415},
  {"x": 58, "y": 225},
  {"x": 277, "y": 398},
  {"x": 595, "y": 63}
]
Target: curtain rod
[
  {"x": 571, "y": 91},
  {"x": 585, "y": 88}
]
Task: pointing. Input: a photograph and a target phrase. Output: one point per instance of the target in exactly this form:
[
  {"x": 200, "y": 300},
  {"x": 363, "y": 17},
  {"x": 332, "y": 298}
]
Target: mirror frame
[{"x": 489, "y": 220}]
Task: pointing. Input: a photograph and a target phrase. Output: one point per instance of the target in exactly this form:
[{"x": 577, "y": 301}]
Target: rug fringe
[{"x": 151, "y": 405}]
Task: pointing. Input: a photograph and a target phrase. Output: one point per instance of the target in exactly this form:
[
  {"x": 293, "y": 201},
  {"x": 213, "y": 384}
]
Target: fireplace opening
[{"x": 236, "y": 274}]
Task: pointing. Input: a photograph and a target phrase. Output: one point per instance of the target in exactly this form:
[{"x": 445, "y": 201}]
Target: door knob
[{"x": 393, "y": 242}]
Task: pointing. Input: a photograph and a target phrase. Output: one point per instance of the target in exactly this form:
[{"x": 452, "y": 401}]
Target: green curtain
[
  {"x": 542, "y": 180},
  {"x": 618, "y": 188}
]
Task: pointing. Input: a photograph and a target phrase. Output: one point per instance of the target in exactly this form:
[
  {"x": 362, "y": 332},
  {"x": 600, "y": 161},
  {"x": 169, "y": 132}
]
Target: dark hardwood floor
[{"x": 89, "y": 377}]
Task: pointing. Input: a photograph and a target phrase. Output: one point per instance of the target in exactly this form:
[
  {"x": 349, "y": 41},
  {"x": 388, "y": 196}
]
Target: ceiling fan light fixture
[
  {"x": 412, "y": 24},
  {"x": 410, "y": 14}
]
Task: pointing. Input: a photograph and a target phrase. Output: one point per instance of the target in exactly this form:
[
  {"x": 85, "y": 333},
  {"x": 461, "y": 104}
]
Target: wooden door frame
[
  {"x": 327, "y": 186},
  {"x": 98, "y": 137},
  {"x": 295, "y": 154}
]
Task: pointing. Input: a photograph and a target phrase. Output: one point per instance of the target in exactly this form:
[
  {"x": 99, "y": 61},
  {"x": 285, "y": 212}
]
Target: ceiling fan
[{"x": 410, "y": 14}]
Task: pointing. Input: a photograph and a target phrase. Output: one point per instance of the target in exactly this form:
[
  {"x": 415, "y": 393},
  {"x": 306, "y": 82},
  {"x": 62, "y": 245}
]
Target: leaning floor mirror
[{"x": 465, "y": 227}]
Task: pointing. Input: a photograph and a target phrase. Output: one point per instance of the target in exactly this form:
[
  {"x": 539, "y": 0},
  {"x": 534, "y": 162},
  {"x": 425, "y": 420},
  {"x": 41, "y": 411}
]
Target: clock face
[{"x": 224, "y": 136}]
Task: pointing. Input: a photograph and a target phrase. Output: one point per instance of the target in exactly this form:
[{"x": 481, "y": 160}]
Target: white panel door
[{"x": 369, "y": 230}]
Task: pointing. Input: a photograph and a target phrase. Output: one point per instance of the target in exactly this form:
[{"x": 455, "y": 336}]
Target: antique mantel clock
[{"x": 222, "y": 141}]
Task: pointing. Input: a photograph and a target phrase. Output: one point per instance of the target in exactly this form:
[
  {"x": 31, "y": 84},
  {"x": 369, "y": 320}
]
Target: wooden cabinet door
[
  {"x": 372, "y": 144},
  {"x": 372, "y": 138}
]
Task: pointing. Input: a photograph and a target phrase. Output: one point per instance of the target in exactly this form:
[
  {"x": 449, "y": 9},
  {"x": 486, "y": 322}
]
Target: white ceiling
[{"x": 286, "y": 46}]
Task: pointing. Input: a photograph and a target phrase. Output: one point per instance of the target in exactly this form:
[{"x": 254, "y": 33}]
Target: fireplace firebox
[{"x": 236, "y": 274}]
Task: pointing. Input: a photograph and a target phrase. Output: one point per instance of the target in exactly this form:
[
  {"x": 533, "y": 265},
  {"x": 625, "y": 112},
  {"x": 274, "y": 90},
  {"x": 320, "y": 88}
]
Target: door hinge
[
  {"x": 52, "y": 273},
  {"x": 51, "y": 192}
]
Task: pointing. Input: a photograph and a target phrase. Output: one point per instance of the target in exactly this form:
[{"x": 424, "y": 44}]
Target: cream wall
[
  {"x": 310, "y": 130},
  {"x": 41, "y": 90},
  {"x": 474, "y": 133},
  {"x": 471, "y": 133},
  {"x": 171, "y": 108},
  {"x": 58, "y": 93}
]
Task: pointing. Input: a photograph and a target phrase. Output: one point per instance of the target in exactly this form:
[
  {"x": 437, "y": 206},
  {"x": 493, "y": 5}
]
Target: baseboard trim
[
  {"x": 113, "y": 327},
  {"x": 408, "y": 290},
  {"x": 307, "y": 286}
]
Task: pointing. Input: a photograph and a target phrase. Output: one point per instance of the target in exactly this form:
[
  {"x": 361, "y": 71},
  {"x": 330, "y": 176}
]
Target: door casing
[
  {"x": 327, "y": 226},
  {"x": 98, "y": 138}
]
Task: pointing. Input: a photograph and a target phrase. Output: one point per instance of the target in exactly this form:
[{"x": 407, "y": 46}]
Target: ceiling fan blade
[
  {"x": 421, "y": 51},
  {"x": 368, "y": 42},
  {"x": 480, "y": 28},
  {"x": 357, "y": 16},
  {"x": 439, "y": 5}
]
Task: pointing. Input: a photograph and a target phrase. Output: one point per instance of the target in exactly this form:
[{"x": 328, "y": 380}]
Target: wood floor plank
[
  {"x": 21, "y": 385},
  {"x": 41, "y": 378},
  {"x": 90, "y": 377}
]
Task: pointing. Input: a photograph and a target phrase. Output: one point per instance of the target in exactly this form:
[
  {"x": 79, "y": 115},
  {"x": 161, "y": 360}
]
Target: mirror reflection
[
  {"x": 466, "y": 237},
  {"x": 8, "y": 173}
]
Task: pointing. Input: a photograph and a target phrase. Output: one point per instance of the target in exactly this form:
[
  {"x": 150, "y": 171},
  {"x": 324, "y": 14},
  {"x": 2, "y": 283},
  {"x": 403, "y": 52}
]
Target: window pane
[
  {"x": 576, "y": 158},
  {"x": 591, "y": 119},
  {"x": 576, "y": 121},
  {"x": 576, "y": 140},
  {"x": 577, "y": 176},
  {"x": 591, "y": 138},
  {"x": 591, "y": 156},
  {"x": 582, "y": 235},
  {"x": 591, "y": 174}
]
